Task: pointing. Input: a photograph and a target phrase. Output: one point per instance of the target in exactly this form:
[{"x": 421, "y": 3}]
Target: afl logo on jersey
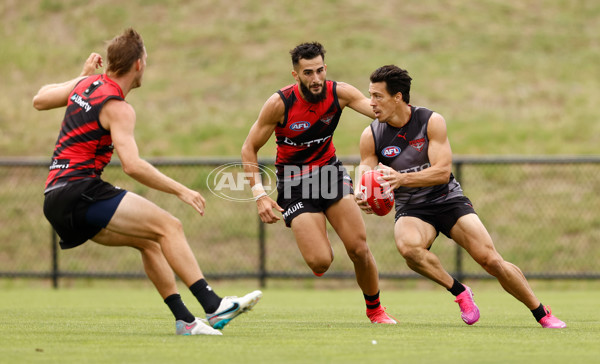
[
  {"x": 300, "y": 126},
  {"x": 390, "y": 151}
]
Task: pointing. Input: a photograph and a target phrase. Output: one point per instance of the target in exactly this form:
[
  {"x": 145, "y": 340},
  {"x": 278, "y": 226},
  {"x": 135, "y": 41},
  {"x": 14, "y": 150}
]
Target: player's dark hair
[
  {"x": 396, "y": 80},
  {"x": 123, "y": 51},
  {"x": 307, "y": 51}
]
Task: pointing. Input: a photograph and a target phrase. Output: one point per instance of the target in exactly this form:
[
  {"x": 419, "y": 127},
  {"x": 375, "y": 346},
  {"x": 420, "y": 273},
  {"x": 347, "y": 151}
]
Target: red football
[{"x": 380, "y": 203}]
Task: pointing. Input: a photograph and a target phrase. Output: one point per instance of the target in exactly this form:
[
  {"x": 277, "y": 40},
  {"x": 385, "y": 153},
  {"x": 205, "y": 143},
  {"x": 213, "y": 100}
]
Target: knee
[
  {"x": 493, "y": 264},
  {"x": 359, "y": 252},
  {"x": 410, "y": 253},
  {"x": 171, "y": 226},
  {"x": 319, "y": 265}
]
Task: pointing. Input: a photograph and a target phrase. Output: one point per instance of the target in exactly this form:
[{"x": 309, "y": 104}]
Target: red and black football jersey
[
  {"x": 304, "y": 138},
  {"x": 83, "y": 147}
]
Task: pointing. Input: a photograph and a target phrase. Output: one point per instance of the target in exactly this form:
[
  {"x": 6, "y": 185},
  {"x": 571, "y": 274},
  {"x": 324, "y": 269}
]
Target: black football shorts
[
  {"x": 442, "y": 215},
  {"x": 80, "y": 209},
  {"x": 314, "y": 191}
]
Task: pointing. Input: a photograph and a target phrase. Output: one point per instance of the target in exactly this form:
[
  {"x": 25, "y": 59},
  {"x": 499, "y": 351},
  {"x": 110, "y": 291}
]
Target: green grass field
[{"x": 127, "y": 323}]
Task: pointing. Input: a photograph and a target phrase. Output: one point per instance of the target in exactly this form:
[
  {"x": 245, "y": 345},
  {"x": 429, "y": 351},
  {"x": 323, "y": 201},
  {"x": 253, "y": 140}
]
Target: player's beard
[{"x": 313, "y": 98}]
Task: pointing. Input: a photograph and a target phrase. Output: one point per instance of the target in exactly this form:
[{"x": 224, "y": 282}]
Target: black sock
[
  {"x": 372, "y": 301},
  {"x": 178, "y": 308},
  {"x": 539, "y": 312},
  {"x": 457, "y": 288},
  {"x": 206, "y": 296}
]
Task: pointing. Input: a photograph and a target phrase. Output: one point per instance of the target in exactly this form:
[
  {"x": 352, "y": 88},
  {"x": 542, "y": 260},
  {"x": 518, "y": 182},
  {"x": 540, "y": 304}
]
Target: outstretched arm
[
  {"x": 57, "y": 94},
  {"x": 120, "y": 118},
  {"x": 350, "y": 96},
  {"x": 271, "y": 113}
]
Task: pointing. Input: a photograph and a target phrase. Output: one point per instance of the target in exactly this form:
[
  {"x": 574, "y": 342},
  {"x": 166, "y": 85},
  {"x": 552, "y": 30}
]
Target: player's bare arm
[
  {"x": 350, "y": 96},
  {"x": 119, "y": 117},
  {"x": 368, "y": 161},
  {"x": 57, "y": 94},
  {"x": 270, "y": 115},
  {"x": 440, "y": 157}
]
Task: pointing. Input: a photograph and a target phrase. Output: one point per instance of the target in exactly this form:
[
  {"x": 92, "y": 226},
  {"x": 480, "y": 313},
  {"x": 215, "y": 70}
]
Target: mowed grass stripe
[{"x": 122, "y": 325}]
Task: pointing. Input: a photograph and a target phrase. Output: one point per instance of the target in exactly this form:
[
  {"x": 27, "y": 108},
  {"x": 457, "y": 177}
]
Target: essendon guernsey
[
  {"x": 83, "y": 147},
  {"x": 304, "y": 137}
]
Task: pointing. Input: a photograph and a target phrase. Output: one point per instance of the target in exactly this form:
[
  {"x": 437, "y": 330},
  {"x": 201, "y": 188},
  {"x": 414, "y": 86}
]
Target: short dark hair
[
  {"x": 307, "y": 51},
  {"x": 396, "y": 80},
  {"x": 123, "y": 51}
]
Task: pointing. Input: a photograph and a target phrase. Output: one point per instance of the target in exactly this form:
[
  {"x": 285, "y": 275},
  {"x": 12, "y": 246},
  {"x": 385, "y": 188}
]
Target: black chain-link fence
[{"x": 543, "y": 215}]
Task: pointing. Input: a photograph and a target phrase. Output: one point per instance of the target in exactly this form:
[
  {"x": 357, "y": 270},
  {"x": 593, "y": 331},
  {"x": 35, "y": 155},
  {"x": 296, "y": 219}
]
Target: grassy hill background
[{"x": 516, "y": 77}]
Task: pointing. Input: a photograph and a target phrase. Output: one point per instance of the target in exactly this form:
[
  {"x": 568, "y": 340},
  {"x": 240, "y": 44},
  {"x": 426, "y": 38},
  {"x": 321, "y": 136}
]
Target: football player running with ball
[
  {"x": 81, "y": 206},
  {"x": 313, "y": 186},
  {"x": 410, "y": 147}
]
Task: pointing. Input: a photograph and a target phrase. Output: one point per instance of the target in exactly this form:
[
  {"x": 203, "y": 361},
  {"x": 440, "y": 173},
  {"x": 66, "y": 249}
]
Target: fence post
[
  {"x": 262, "y": 249},
  {"x": 458, "y": 253},
  {"x": 262, "y": 254},
  {"x": 54, "y": 273}
]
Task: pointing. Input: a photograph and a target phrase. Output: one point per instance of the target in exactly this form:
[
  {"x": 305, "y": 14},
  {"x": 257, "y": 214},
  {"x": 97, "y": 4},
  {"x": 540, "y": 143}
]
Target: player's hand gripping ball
[{"x": 380, "y": 202}]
